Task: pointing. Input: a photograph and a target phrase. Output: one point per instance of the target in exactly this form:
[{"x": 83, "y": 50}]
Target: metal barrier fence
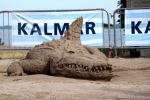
[
  {"x": 113, "y": 37},
  {"x": 6, "y": 27},
  {"x": 119, "y": 30}
]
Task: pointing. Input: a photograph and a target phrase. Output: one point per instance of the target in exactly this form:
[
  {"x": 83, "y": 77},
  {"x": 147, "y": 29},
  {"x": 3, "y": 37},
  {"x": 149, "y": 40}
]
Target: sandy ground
[{"x": 131, "y": 82}]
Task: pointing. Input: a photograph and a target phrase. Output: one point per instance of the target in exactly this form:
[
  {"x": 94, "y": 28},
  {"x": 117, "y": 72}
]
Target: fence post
[
  {"x": 3, "y": 26},
  {"x": 114, "y": 22},
  {"x": 108, "y": 22}
]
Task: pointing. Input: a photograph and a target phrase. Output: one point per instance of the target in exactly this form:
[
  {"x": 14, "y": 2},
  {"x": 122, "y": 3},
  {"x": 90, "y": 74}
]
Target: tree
[{"x": 121, "y": 4}]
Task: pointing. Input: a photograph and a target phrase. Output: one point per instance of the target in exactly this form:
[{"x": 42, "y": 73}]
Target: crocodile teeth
[{"x": 82, "y": 68}]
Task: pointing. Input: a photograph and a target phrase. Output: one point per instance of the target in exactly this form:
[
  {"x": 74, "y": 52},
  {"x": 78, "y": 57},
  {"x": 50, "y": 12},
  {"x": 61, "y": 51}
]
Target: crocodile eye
[{"x": 71, "y": 52}]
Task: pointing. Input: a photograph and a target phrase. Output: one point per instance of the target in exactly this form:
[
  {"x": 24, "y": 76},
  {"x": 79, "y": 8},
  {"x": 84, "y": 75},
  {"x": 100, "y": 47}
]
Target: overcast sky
[{"x": 109, "y": 5}]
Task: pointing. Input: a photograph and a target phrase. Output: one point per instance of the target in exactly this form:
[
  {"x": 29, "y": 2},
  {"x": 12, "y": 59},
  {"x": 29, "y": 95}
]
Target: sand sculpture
[{"x": 64, "y": 57}]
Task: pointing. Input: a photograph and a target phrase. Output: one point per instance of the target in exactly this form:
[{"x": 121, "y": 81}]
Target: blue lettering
[
  {"x": 35, "y": 29},
  {"x": 45, "y": 29},
  {"x": 58, "y": 30},
  {"x": 21, "y": 28},
  {"x": 135, "y": 27},
  {"x": 57, "y": 26},
  {"x": 148, "y": 27},
  {"x": 90, "y": 26}
]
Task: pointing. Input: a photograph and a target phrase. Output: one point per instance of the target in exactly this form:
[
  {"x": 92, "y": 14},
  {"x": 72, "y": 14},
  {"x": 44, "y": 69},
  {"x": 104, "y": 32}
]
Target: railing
[
  {"x": 122, "y": 30},
  {"x": 6, "y": 33}
]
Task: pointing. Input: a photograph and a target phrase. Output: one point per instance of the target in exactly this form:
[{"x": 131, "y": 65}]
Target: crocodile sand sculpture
[{"x": 64, "y": 57}]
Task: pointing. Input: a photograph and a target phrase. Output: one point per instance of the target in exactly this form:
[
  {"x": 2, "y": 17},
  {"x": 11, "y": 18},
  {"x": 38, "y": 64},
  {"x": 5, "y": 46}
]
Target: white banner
[
  {"x": 30, "y": 29},
  {"x": 137, "y": 27}
]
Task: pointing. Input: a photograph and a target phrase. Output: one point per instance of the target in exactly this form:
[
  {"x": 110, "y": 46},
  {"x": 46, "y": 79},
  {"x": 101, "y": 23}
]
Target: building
[{"x": 137, "y": 3}]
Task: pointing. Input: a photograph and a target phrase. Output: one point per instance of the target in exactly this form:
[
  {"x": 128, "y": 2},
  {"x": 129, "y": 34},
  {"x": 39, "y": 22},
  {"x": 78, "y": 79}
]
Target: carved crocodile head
[{"x": 69, "y": 58}]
